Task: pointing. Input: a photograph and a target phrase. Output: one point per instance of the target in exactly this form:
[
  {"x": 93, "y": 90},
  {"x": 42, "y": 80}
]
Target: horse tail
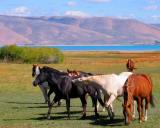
[
  {"x": 99, "y": 97},
  {"x": 152, "y": 101}
]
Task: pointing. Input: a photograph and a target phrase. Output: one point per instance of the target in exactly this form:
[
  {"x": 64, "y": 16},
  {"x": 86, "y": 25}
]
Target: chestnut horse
[
  {"x": 137, "y": 87},
  {"x": 130, "y": 65},
  {"x": 74, "y": 73}
]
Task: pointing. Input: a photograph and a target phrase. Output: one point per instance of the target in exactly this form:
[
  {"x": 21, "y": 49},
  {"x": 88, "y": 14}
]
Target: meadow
[{"x": 21, "y": 104}]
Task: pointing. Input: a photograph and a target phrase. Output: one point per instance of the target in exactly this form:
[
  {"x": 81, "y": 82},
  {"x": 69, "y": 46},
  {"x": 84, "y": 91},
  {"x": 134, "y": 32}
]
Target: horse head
[
  {"x": 130, "y": 65},
  {"x": 127, "y": 105},
  {"x": 35, "y": 70},
  {"x": 73, "y": 73},
  {"x": 40, "y": 78}
]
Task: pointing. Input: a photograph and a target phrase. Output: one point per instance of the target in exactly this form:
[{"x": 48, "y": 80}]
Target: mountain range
[{"x": 64, "y": 30}]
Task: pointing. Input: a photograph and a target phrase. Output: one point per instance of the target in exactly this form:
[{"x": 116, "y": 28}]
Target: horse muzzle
[
  {"x": 33, "y": 74},
  {"x": 35, "y": 83}
]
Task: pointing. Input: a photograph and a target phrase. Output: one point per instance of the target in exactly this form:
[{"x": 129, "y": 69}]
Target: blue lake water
[{"x": 107, "y": 48}]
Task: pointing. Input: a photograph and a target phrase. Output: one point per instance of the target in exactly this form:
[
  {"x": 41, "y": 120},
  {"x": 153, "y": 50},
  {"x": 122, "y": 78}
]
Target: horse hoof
[
  {"x": 48, "y": 117},
  {"x": 104, "y": 109},
  {"x": 113, "y": 115},
  {"x": 97, "y": 116},
  {"x": 59, "y": 104},
  {"x": 145, "y": 119},
  {"x": 111, "y": 118},
  {"x": 83, "y": 117}
]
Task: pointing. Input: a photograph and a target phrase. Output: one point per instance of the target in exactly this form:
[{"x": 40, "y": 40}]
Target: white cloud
[
  {"x": 71, "y": 3},
  {"x": 130, "y": 16},
  {"x": 152, "y": 1},
  {"x": 19, "y": 11},
  {"x": 100, "y": 1},
  {"x": 76, "y": 13},
  {"x": 151, "y": 7},
  {"x": 156, "y": 17}
]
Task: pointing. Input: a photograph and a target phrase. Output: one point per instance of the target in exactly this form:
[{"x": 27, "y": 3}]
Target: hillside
[{"x": 76, "y": 31}]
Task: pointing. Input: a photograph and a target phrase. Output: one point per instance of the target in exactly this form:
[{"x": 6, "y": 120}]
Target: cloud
[
  {"x": 76, "y": 13},
  {"x": 152, "y": 1},
  {"x": 156, "y": 17},
  {"x": 100, "y": 1},
  {"x": 19, "y": 11},
  {"x": 71, "y": 3},
  {"x": 130, "y": 16},
  {"x": 151, "y": 7}
]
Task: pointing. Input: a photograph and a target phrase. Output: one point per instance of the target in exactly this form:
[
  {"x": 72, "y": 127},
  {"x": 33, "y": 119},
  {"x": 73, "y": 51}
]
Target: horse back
[{"x": 141, "y": 84}]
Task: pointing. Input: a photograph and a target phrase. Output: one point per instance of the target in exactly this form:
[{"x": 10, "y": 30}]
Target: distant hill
[
  {"x": 156, "y": 25},
  {"x": 62, "y": 30}
]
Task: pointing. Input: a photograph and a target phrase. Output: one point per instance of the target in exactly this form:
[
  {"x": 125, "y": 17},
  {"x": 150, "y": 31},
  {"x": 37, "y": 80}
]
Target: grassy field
[{"x": 21, "y": 104}]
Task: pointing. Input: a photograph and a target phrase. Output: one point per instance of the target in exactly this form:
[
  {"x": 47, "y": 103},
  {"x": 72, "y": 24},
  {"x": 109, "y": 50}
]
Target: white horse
[{"x": 111, "y": 86}]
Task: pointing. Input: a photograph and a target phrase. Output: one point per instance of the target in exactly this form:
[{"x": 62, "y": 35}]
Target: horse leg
[
  {"x": 56, "y": 98},
  {"x": 105, "y": 100},
  {"x": 94, "y": 98},
  {"x": 49, "y": 93},
  {"x": 100, "y": 99},
  {"x": 44, "y": 92},
  {"x": 108, "y": 105},
  {"x": 134, "y": 109},
  {"x": 146, "y": 108},
  {"x": 59, "y": 102},
  {"x": 93, "y": 101},
  {"x": 142, "y": 111},
  {"x": 111, "y": 105},
  {"x": 68, "y": 106},
  {"x": 84, "y": 105},
  {"x": 111, "y": 99},
  {"x": 139, "y": 108}
]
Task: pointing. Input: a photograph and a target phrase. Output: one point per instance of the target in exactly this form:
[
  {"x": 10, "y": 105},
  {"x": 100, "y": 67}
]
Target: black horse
[
  {"x": 43, "y": 86},
  {"x": 61, "y": 84}
]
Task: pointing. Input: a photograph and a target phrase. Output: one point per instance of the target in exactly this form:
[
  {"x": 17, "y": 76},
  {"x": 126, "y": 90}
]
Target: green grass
[{"x": 21, "y": 104}]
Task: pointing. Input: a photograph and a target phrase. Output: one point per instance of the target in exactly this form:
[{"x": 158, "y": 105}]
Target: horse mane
[
  {"x": 125, "y": 91},
  {"x": 49, "y": 69},
  {"x": 128, "y": 88}
]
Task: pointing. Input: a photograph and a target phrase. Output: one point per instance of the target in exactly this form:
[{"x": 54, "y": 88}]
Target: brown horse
[
  {"x": 130, "y": 65},
  {"x": 137, "y": 87}
]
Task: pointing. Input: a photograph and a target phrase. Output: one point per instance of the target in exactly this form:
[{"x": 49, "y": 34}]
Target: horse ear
[{"x": 34, "y": 65}]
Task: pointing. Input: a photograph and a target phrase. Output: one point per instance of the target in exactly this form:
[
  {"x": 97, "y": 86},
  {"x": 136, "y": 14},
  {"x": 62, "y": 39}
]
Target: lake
[{"x": 106, "y": 48}]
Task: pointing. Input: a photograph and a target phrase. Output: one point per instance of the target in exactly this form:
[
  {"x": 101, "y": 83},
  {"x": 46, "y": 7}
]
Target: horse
[
  {"x": 74, "y": 73},
  {"x": 130, "y": 65},
  {"x": 77, "y": 74},
  {"x": 111, "y": 86},
  {"x": 63, "y": 88},
  {"x": 137, "y": 87},
  {"x": 44, "y": 86}
]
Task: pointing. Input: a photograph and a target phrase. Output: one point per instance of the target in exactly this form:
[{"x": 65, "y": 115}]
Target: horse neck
[{"x": 124, "y": 76}]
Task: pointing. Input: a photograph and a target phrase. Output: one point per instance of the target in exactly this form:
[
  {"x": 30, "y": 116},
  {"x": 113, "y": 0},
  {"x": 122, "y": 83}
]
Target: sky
[{"x": 147, "y": 11}]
